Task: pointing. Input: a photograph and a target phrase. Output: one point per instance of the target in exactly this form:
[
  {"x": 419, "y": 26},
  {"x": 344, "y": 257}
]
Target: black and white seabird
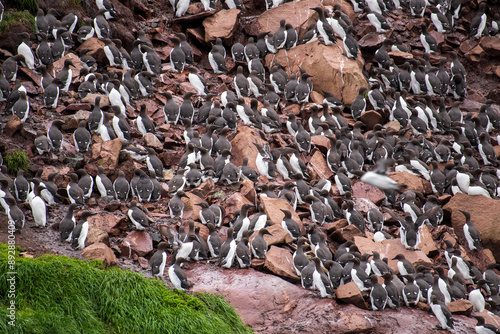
[
  {"x": 138, "y": 217},
  {"x": 86, "y": 183},
  {"x": 75, "y": 193},
  {"x": 471, "y": 233},
  {"x": 159, "y": 260},
  {"x": 217, "y": 61},
  {"x": 175, "y": 273},
  {"x": 67, "y": 225},
  {"x": 21, "y": 186},
  {"x": 176, "y": 205},
  {"x": 22, "y": 107},
  {"x": 442, "y": 313},
  {"x": 290, "y": 225},
  {"x": 378, "y": 294},
  {"x": 121, "y": 187},
  {"x": 478, "y": 23},
  {"x": 228, "y": 250},
  {"x": 15, "y": 215},
  {"x": 82, "y": 137},
  {"x": 104, "y": 184},
  {"x": 81, "y": 231},
  {"x": 427, "y": 40},
  {"x": 101, "y": 25}
]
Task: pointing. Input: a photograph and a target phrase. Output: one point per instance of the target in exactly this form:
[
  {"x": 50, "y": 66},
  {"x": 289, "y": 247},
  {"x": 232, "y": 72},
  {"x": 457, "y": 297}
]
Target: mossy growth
[
  {"x": 57, "y": 294},
  {"x": 31, "y": 5},
  {"x": 14, "y": 17},
  {"x": 16, "y": 161}
]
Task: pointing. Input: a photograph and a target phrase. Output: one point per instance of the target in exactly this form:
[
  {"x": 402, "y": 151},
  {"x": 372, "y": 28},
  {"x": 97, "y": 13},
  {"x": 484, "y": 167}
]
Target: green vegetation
[
  {"x": 31, "y": 5},
  {"x": 16, "y": 161},
  {"x": 22, "y": 18},
  {"x": 57, "y": 294}
]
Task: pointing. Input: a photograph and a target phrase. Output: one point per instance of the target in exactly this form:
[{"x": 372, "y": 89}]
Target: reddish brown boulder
[
  {"x": 95, "y": 236},
  {"x": 460, "y": 306},
  {"x": 331, "y": 71},
  {"x": 484, "y": 215},
  {"x": 390, "y": 248},
  {"x": 321, "y": 142},
  {"x": 58, "y": 65},
  {"x": 140, "y": 242},
  {"x": 317, "y": 164},
  {"x": 234, "y": 202},
  {"x": 13, "y": 125},
  {"x": 272, "y": 208},
  {"x": 346, "y": 233},
  {"x": 371, "y": 40},
  {"x": 242, "y": 146},
  {"x": 297, "y": 13},
  {"x": 371, "y": 118},
  {"x": 349, "y": 293},
  {"x": 95, "y": 47},
  {"x": 106, "y": 154},
  {"x": 279, "y": 235},
  {"x": 491, "y": 45},
  {"x": 91, "y": 99},
  {"x": 427, "y": 243},
  {"x": 105, "y": 222},
  {"x": 191, "y": 210},
  {"x": 279, "y": 261},
  {"x": 223, "y": 24},
  {"x": 364, "y": 190},
  {"x": 248, "y": 190},
  {"x": 100, "y": 251},
  {"x": 412, "y": 182},
  {"x": 152, "y": 141}
]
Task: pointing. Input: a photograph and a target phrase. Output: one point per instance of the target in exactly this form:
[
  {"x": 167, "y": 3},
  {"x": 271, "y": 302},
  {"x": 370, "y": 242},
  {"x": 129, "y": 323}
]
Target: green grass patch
[
  {"x": 57, "y": 294},
  {"x": 16, "y": 161},
  {"x": 15, "y": 17},
  {"x": 31, "y": 5}
]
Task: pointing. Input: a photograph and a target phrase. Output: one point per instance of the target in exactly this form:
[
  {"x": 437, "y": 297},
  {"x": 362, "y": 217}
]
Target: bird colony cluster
[{"x": 208, "y": 156}]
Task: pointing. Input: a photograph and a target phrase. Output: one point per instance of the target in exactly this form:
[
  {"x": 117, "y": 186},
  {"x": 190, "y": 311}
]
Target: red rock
[
  {"x": 317, "y": 164},
  {"x": 152, "y": 141},
  {"x": 390, "y": 248},
  {"x": 223, "y": 24},
  {"x": 363, "y": 205},
  {"x": 297, "y": 13},
  {"x": 484, "y": 215},
  {"x": 346, "y": 233},
  {"x": 412, "y": 182},
  {"x": 427, "y": 243},
  {"x": 364, "y": 190},
  {"x": 321, "y": 142},
  {"x": 272, "y": 208},
  {"x": 191, "y": 210},
  {"x": 342, "y": 78},
  {"x": 96, "y": 48},
  {"x": 460, "y": 306},
  {"x": 316, "y": 97},
  {"x": 467, "y": 45},
  {"x": 144, "y": 263},
  {"x": 95, "y": 236},
  {"x": 105, "y": 222},
  {"x": 336, "y": 225},
  {"x": 267, "y": 302},
  {"x": 279, "y": 235},
  {"x": 242, "y": 146},
  {"x": 100, "y": 251},
  {"x": 370, "y": 118},
  {"x": 203, "y": 189},
  {"x": 476, "y": 54},
  {"x": 400, "y": 57},
  {"x": 106, "y": 154},
  {"x": 248, "y": 190},
  {"x": 371, "y": 40},
  {"x": 491, "y": 45},
  {"x": 13, "y": 125},
  {"x": 234, "y": 202},
  {"x": 58, "y": 65},
  {"x": 350, "y": 293},
  {"x": 279, "y": 261},
  {"x": 91, "y": 99},
  {"x": 344, "y": 5},
  {"x": 293, "y": 108},
  {"x": 140, "y": 242},
  {"x": 393, "y": 125}
]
